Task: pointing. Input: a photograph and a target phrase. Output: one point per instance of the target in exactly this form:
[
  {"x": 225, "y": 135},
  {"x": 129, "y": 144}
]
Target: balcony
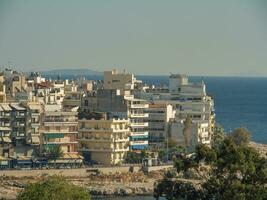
[
  {"x": 93, "y": 139},
  {"x": 71, "y": 123},
  {"x": 61, "y": 142},
  {"x": 139, "y": 115},
  {"x": 59, "y": 132},
  {"x": 103, "y": 149},
  {"x": 20, "y": 115},
  {"x": 139, "y": 124},
  {"x": 121, "y": 139},
  {"x": 142, "y": 106},
  {"x": 35, "y": 113},
  {"x": 139, "y": 143},
  {"x": 91, "y": 129}
]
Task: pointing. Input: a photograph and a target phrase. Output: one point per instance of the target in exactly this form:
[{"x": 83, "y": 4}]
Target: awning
[
  {"x": 6, "y": 107},
  {"x": 17, "y": 107},
  {"x": 4, "y": 128},
  {"x": 7, "y": 139},
  {"x": 34, "y": 106},
  {"x": 24, "y": 161},
  {"x": 54, "y": 135}
]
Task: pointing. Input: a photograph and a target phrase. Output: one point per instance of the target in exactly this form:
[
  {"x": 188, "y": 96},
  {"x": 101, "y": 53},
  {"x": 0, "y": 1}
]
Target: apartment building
[
  {"x": 59, "y": 127},
  {"x": 2, "y": 89},
  {"x": 188, "y": 100},
  {"x": 14, "y": 82},
  {"x": 6, "y": 147},
  {"x": 138, "y": 122},
  {"x": 34, "y": 115},
  {"x": 89, "y": 102},
  {"x": 158, "y": 120},
  {"x": 119, "y": 80},
  {"x": 103, "y": 140},
  {"x": 19, "y": 123},
  {"x": 198, "y": 133}
]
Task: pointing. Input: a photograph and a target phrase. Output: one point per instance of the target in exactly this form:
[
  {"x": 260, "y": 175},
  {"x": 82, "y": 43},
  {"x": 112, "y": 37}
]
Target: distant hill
[{"x": 71, "y": 72}]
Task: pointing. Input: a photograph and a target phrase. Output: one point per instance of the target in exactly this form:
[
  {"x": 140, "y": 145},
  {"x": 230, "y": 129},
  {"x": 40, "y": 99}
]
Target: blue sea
[{"x": 239, "y": 101}]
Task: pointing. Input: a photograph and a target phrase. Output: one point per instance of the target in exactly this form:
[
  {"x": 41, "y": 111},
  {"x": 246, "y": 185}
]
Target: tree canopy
[
  {"x": 53, "y": 188},
  {"x": 235, "y": 171},
  {"x": 54, "y": 152}
]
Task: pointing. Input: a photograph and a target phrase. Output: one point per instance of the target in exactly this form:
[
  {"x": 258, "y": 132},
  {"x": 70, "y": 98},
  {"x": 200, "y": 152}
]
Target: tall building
[
  {"x": 159, "y": 118},
  {"x": 60, "y": 127},
  {"x": 6, "y": 147},
  {"x": 121, "y": 81},
  {"x": 2, "y": 89},
  {"x": 89, "y": 102},
  {"x": 138, "y": 123},
  {"x": 19, "y": 123},
  {"x": 103, "y": 140},
  {"x": 188, "y": 100},
  {"x": 34, "y": 115}
]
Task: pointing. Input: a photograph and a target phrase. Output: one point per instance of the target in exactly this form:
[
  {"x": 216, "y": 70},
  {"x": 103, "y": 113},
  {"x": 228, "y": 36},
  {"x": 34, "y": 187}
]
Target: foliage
[
  {"x": 218, "y": 135},
  {"x": 236, "y": 171},
  {"x": 53, "y": 188},
  {"x": 54, "y": 152},
  {"x": 240, "y": 136},
  {"x": 135, "y": 157}
]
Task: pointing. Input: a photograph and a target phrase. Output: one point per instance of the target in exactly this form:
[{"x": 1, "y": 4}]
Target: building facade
[
  {"x": 103, "y": 141},
  {"x": 59, "y": 127},
  {"x": 158, "y": 120}
]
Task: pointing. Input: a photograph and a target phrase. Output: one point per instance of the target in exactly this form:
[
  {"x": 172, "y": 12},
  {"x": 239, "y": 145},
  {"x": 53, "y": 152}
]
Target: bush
[
  {"x": 53, "y": 188},
  {"x": 240, "y": 136}
]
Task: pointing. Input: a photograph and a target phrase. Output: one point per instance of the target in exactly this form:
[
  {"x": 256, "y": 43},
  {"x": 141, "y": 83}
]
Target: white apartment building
[
  {"x": 103, "y": 141},
  {"x": 159, "y": 117},
  {"x": 138, "y": 122},
  {"x": 199, "y": 133},
  {"x": 187, "y": 99}
]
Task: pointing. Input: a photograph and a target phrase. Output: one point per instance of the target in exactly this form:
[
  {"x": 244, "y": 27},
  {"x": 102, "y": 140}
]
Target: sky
[{"x": 157, "y": 37}]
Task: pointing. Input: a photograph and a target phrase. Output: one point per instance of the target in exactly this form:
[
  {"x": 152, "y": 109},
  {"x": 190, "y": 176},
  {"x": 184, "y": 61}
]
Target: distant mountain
[{"x": 71, "y": 72}]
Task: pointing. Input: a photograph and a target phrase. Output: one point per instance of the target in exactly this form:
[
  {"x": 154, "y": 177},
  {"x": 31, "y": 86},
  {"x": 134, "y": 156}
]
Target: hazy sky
[{"x": 200, "y": 37}]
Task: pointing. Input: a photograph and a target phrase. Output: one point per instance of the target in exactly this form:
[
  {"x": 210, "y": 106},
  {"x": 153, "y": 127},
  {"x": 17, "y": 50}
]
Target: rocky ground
[
  {"x": 136, "y": 183},
  {"x": 261, "y": 148},
  {"x": 120, "y": 184}
]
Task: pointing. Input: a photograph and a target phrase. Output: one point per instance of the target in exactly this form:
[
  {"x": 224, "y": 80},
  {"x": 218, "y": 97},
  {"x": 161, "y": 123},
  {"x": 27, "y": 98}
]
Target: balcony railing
[
  {"x": 139, "y": 124},
  {"x": 139, "y": 115},
  {"x": 139, "y": 105}
]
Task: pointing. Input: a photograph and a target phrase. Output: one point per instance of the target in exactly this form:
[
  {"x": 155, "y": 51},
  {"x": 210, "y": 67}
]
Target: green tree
[
  {"x": 218, "y": 135},
  {"x": 240, "y": 136},
  {"x": 53, "y": 188},
  {"x": 54, "y": 152},
  {"x": 236, "y": 171}
]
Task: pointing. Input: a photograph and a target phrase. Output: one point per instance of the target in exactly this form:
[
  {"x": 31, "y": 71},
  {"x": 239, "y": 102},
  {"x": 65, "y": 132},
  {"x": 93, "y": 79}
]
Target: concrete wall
[{"x": 82, "y": 172}]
